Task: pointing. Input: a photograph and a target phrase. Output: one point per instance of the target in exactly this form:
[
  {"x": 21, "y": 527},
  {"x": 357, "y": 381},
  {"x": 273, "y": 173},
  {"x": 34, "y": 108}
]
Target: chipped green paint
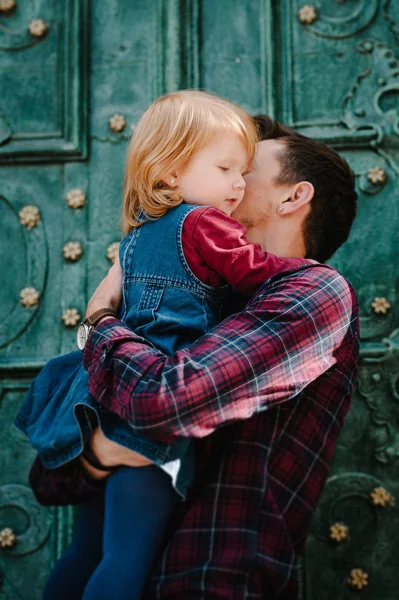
[{"x": 336, "y": 79}]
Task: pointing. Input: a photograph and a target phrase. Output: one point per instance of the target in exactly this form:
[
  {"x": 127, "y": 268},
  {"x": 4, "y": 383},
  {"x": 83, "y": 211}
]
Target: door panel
[
  {"x": 335, "y": 77},
  {"x": 43, "y": 74},
  {"x": 23, "y": 567}
]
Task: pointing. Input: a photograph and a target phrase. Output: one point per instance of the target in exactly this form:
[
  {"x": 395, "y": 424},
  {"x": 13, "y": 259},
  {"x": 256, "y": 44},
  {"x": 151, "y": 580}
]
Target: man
[{"x": 265, "y": 393}]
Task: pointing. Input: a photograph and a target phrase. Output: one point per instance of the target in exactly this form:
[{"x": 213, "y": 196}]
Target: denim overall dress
[{"x": 164, "y": 302}]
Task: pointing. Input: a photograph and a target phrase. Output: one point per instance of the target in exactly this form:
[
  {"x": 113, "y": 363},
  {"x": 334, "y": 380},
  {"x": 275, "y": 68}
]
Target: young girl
[{"x": 181, "y": 254}]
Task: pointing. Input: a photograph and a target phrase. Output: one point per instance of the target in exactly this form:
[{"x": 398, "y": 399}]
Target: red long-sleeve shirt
[{"x": 217, "y": 252}]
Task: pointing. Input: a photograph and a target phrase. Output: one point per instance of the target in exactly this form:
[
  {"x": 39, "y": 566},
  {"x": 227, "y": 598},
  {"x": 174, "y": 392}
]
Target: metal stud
[
  {"x": 339, "y": 532},
  {"x": 113, "y": 251},
  {"x": 381, "y": 305},
  {"x": 37, "y": 28},
  {"x": 7, "y": 5},
  {"x": 307, "y": 14},
  {"x": 28, "y": 297},
  {"x": 381, "y": 497},
  {"x": 29, "y": 216},
  {"x": 376, "y": 175},
  {"x": 71, "y": 317},
  {"x": 358, "y": 579},
  {"x": 76, "y": 198},
  {"x": 8, "y": 539},
  {"x": 376, "y": 377},
  {"x": 368, "y": 46},
  {"x": 117, "y": 123},
  {"x": 72, "y": 251}
]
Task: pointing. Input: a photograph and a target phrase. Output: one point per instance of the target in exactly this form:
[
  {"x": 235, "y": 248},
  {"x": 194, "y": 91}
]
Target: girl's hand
[
  {"x": 109, "y": 293},
  {"x": 110, "y": 454}
]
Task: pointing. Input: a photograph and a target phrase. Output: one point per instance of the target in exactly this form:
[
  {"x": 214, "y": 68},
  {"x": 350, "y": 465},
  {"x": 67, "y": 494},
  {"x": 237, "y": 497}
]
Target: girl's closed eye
[{"x": 224, "y": 168}]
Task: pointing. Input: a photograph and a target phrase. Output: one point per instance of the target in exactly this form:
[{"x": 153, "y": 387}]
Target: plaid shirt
[{"x": 280, "y": 374}]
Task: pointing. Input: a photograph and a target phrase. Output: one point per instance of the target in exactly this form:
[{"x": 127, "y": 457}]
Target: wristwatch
[{"x": 85, "y": 328}]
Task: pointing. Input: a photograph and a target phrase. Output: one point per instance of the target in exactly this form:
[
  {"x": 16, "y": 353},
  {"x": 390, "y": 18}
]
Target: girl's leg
[
  {"x": 71, "y": 573},
  {"x": 139, "y": 503}
]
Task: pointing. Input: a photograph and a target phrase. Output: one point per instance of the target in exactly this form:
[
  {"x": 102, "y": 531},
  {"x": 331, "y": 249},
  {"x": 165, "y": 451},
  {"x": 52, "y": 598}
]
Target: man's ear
[{"x": 300, "y": 197}]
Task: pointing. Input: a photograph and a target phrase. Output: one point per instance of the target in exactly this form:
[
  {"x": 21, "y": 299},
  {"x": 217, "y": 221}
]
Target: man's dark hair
[{"x": 333, "y": 207}]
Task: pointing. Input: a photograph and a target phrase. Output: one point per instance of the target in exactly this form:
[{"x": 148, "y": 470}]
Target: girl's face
[{"x": 214, "y": 177}]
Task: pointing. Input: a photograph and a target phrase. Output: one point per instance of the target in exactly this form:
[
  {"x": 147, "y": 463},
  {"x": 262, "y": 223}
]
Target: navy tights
[{"x": 116, "y": 538}]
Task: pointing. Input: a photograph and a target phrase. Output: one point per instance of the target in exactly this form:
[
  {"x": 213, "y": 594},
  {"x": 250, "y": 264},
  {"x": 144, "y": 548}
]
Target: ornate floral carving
[
  {"x": 369, "y": 546},
  {"x": 71, "y": 317},
  {"x": 76, "y": 198},
  {"x": 29, "y": 216},
  {"x": 358, "y": 579},
  {"x": 378, "y": 389},
  {"x": 339, "y": 532},
  {"x": 381, "y": 497},
  {"x": 37, "y": 28},
  {"x": 7, "y": 5},
  {"x": 29, "y": 297},
  {"x": 8, "y": 539},
  {"x": 377, "y": 175},
  {"x": 117, "y": 122},
  {"x": 307, "y": 14},
  {"x": 72, "y": 251},
  {"x": 113, "y": 251},
  {"x": 333, "y": 24},
  {"x": 373, "y": 85},
  {"x": 31, "y": 537},
  {"x": 381, "y": 305},
  {"x": 67, "y": 125}
]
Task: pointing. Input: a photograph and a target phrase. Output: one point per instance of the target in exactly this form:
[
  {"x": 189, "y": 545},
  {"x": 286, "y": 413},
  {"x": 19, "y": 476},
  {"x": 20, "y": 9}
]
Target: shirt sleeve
[
  {"x": 209, "y": 235},
  {"x": 254, "y": 360}
]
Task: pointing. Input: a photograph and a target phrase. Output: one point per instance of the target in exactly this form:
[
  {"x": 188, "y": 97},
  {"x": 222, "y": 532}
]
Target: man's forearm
[{"x": 255, "y": 360}]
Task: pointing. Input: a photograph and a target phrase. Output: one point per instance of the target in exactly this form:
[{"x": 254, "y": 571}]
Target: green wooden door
[{"x": 66, "y": 68}]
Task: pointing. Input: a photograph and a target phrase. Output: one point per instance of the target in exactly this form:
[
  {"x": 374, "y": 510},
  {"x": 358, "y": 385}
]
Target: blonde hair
[{"x": 169, "y": 133}]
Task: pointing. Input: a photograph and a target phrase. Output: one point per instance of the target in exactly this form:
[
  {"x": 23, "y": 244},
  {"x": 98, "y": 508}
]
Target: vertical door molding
[{"x": 178, "y": 45}]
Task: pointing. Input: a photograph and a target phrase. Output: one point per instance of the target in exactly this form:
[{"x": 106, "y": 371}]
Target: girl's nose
[{"x": 240, "y": 183}]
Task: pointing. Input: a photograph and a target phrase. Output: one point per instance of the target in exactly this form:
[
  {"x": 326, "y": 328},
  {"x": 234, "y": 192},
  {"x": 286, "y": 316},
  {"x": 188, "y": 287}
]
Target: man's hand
[{"x": 109, "y": 293}]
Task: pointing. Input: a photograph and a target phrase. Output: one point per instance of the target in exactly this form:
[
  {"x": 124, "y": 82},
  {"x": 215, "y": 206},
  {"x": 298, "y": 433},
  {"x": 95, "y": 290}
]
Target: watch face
[{"x": 82, "y": 335}]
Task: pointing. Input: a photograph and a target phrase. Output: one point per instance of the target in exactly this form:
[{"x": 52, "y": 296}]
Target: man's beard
[{"x": 255, "y": 220}]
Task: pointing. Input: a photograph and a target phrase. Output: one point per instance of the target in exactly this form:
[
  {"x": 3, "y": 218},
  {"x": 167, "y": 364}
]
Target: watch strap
[{"x": 99, "y": 314}]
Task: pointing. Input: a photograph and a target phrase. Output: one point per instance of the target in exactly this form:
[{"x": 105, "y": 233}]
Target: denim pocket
[{"x": 149, "y": 303}]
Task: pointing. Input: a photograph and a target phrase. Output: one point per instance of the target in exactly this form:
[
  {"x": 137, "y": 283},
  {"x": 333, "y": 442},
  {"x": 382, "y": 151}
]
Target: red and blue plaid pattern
[{"x": 280, "y": 374}]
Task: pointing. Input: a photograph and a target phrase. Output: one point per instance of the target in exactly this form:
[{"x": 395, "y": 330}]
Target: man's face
[{"x": 262, "y": 195}]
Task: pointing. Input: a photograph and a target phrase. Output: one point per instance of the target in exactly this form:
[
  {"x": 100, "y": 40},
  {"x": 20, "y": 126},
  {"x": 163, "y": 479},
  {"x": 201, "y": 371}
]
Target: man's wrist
[{"x": 92, "y": 320}]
